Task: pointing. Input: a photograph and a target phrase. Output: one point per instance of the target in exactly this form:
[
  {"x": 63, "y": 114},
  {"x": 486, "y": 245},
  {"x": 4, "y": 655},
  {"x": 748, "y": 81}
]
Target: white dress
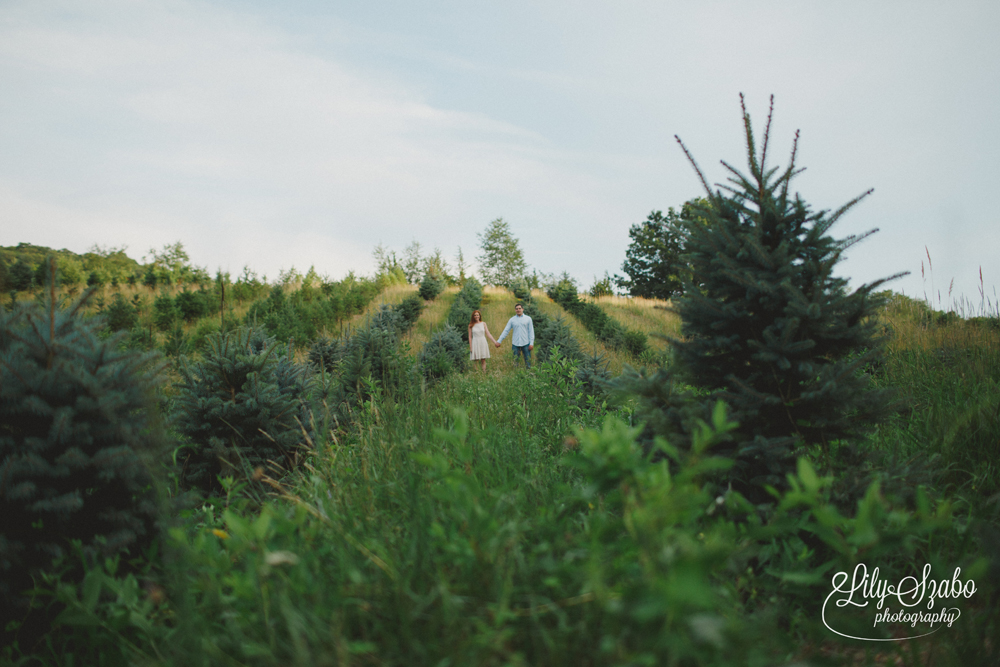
[{"x": 480, "y": 349}]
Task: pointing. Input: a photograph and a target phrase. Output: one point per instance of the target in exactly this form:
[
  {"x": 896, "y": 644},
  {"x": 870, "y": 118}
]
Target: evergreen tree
[
  {"x": 445, "y": 352},
  {"x": 239, "y": 404},
  {"x": 430, "y": 287},
  {"x": 21, "y": 276},
  {"x": 78, "y": 427},
  {"x": 165, "y": 312},
  {"x": 121, "y": 315},
  {"x": 468, "y": 300},
  {"x": 767, "y": 327},
  {"x": 192, "y": 305},
  {"x": 436, "y": 265},
  {"x": 602, "y": 287},
  {"x": 460, "y": 267},
  {"x": 502, "y": 261}
]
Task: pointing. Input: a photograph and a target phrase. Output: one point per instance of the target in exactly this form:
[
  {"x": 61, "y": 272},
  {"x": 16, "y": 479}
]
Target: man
[{"x": 522, "y": 335}]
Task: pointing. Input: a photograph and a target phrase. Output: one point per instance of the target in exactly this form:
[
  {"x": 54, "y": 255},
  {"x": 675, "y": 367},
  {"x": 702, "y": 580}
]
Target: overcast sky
[{"x": 304, "y": 133}]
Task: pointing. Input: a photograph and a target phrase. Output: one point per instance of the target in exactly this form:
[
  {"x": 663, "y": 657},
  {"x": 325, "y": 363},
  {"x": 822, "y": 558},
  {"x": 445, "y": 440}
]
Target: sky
[{"x": 304, "y": 133}]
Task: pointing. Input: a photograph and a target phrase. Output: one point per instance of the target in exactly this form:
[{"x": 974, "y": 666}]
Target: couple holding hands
[{"x": 522, "y": 337}]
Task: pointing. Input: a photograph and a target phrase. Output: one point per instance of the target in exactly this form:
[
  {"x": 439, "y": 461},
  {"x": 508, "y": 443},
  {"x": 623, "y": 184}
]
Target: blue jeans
[{"x": 522, "y": 350}]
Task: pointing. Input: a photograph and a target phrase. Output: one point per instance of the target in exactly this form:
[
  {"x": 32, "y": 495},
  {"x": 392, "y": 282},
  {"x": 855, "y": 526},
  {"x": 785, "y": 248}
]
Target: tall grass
[
  {"x": 588, "y": 342},
  {"x": 431, "y": 319},
  {"x": 947, "y": 371},
  {"x": 649, "y": 316}
]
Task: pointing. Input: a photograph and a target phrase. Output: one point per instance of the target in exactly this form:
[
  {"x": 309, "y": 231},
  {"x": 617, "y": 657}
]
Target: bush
[
  {"x": 239, "y": 406},
  {"x": 121, "y": 315},
  {"x": 165, "y": 312},
  {"x": 430, "y": 287},
  {"x": 193, "y": 305},
  {"x": 366, "y": 362},
  {"x": 521, "y": 290},
  {"x": 409, "y": 312},
  {"x": 444, "y": 353},
  {"x": 21, "y": 276},
  {"x": 79, "y": 426}
]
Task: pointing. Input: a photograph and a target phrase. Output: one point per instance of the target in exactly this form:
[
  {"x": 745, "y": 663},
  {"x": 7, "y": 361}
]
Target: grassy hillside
[
  {"x": 649, "y": 316},
  {"x": 588, "y": 342},
  {"x": 511, "y": 518}
]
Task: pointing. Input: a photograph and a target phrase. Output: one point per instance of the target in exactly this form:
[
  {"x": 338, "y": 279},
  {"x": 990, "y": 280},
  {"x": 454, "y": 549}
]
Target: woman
[{"x": 479, "y": 349}]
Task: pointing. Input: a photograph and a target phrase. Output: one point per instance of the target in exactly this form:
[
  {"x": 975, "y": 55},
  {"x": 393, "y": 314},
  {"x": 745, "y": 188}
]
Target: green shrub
[
  {"x": 192, "y": 305},
  {"x": 165, "y": 312},
  {"x": 444, "y": 353},
  {"x": 121, "y": 315},
  {"x": 521, "y": 290},
  {"x": 21, "y": 276},
  {"x": 430, "y": 287},
  {"x": 78, "y": 427},
  {"x": 238, "y": 406},
  {"x": 409, "y": 312}
]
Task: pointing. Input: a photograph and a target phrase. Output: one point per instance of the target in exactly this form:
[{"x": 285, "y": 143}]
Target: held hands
[
  {"x": 498, "y": 344},
  {"x": 531, "y": 347}
]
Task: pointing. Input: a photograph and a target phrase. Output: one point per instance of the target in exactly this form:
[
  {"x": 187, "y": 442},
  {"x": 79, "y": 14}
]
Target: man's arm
[
  {"x": 506, "y": 330},
  {"x": 531, "y": 333}
]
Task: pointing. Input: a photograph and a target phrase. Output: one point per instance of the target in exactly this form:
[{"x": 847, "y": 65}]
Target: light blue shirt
[{"x": 523, "y": 331}]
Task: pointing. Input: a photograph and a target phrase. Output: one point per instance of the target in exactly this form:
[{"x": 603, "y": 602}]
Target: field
[
  {"x": 649, "y": 316},
  {"x": 513, "y": 518}
]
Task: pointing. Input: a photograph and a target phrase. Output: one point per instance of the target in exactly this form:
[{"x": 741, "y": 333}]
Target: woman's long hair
[{"x": 472, "y": 318}]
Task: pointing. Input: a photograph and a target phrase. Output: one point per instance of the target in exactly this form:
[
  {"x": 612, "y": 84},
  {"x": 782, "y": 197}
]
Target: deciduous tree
[
  {"x": 653, "y": 263},
  {"x": 502, "y": 261}
]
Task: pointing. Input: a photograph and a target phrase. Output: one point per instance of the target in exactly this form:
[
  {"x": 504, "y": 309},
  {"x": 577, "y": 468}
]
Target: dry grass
[
  {"x": 911, "y": 330},
  {"x": 588, "y": 343},
  {"x": 431, "y": 319},
  {"x": 646, "y": 315}
]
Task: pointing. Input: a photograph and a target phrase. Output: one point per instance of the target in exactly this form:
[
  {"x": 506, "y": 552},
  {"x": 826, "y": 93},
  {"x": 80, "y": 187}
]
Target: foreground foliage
[{"x": 78, "y": 437}]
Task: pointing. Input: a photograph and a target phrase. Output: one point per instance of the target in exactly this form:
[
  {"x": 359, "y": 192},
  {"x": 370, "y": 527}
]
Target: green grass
[{"x": 948, "y": 378}]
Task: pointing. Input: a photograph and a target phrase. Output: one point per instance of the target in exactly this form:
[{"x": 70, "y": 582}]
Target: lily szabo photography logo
[{"x": 909, "y": 608}]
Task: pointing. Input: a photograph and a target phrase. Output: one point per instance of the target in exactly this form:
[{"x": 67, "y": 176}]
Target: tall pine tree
[{"x": 767, "y": 327}]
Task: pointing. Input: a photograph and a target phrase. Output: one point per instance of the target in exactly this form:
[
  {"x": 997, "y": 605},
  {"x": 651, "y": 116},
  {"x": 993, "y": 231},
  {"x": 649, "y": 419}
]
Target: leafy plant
[{"x": 654, "y": 264}]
